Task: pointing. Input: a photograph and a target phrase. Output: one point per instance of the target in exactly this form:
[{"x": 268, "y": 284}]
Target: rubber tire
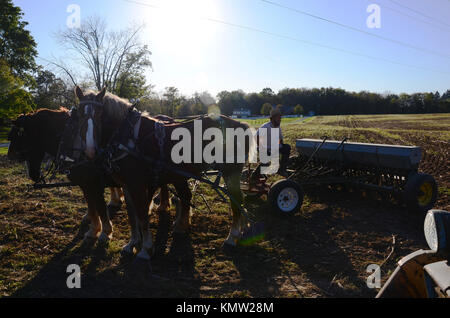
[
  {"x": 275, "y": 190},
  {"x": 412, "y": 192}
]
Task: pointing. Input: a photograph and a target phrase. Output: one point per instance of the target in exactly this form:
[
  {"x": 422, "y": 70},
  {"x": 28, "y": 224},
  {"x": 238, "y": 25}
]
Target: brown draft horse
[
  {"x": 33, "y": 136},
  {"x": 102, "y": 115}
]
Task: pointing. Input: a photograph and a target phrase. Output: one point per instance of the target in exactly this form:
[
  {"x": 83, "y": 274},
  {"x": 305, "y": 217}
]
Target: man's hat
[{"x": 275, "y": 111}]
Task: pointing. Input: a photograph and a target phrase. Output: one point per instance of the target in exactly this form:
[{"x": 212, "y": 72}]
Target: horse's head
[
  {"x": 20, "y": 143},
  {"x": 25, "y": 147},
  {"x": 89, "y": 113}
]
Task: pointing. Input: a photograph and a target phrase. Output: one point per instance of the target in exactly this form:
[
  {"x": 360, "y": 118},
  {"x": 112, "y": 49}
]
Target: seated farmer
[{"x": 284, "y": 149}]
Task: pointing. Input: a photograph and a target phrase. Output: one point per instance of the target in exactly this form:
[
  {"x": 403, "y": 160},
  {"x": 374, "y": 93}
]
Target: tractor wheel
[
  {"x": 286, "y": 197},
  {"x": 420, "y": 192}
]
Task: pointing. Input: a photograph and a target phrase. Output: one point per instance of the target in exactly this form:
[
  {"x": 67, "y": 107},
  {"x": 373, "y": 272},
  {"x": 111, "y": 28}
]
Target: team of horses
[{"x": 104, "y": 142}]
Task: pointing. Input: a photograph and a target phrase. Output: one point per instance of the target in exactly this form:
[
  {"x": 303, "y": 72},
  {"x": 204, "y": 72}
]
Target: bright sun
[{"x": 179, "y": 25}]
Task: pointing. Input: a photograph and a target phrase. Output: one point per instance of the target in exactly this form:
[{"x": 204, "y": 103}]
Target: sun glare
[{"x": 179, "y": 26}]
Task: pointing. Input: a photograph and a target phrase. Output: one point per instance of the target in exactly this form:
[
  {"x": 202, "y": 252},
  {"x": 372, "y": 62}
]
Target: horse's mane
[
  {"x": 114, "y": 107},
  {"x": 61, "y": 109},
  {"x": 43, "y": 112}
]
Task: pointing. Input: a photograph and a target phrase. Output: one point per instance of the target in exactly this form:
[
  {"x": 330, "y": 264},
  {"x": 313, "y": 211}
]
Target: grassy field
[
  {"x": 3, "y": 139},
  {"x": 322, "y": 251},
  {"x": 259, "y": 122},
  {"x": 4, "y": 134}
]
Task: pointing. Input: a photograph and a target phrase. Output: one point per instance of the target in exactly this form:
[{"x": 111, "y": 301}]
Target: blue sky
[{"x": 196, "y": 54}]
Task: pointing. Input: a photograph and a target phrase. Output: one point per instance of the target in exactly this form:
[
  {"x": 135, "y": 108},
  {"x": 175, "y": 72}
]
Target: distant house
[{"x": 241, "y": 113}]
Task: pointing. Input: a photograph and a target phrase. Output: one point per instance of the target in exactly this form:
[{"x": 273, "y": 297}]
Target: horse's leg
[
  {"x": 107, "y": 227},
  {"x": 95, "y": 224},
  {"x": 132, "y": 220},
  {"x": 232, "y": 181},
  {"x": 182, "y": 222},
  {"x": 164, "y": 204},
  {"x": 87, "y": 217},
  {"x": 142, "y": 200},
  {"x": 115, "y": 203}
]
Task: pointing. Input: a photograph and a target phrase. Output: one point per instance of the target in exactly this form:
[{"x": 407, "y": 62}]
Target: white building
[{"x": 241, "y": 113}]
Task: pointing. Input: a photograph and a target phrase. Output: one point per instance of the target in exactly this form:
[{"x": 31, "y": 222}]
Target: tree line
[{"x": 334, "y": 101}]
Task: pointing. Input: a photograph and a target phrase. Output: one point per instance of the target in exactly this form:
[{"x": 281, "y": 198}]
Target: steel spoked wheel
[
  {"x": 286, "y": 197},
  {"x": 420, "y": 192},
  {"x": 425, "y": 194}
]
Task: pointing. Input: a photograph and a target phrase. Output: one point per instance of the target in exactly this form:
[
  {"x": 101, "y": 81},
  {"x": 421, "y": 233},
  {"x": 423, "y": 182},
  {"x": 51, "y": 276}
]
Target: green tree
[
  {"x": 171, "y": 96},
  {"x": 204, "y": 98},
  {"x": 446, "y": 95},
  {"x": 50, "y": 91},
  {"x": 267, "y": 92},
  {"x": 266, "y": 109},
  {"x": 17, "y": 46},
  {"x": 298, "y": 110},
  {"x": 183, "y": 110},
  {"x": 151, "y": 104},
  {"x": 14, "y": 99},
  {"x": 254, "y": 102},
  {"x": 229, "y": 101},
  {"x": 131, "y": 82}
]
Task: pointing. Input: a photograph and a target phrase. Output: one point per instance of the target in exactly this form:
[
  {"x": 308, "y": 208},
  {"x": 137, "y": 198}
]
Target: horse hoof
[
  {"x": 143, "y": 255},
  {"x": 142, "y": 265}
]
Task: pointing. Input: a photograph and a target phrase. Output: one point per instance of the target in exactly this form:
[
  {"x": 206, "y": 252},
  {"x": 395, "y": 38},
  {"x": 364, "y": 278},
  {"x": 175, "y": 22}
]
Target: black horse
[{"x": 38, "y": 135}]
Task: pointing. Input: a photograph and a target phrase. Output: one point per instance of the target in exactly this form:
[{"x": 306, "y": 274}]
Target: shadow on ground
[{"x": 105, "y": 274}]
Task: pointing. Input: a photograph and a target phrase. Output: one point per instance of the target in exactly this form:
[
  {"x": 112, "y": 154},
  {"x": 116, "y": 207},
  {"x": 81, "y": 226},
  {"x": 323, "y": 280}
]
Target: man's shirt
[{"x": 266, "y": 142}]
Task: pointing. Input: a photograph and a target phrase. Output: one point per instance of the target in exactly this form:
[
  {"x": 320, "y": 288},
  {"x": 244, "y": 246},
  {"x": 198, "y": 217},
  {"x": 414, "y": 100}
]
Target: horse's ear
[
  {"x": 79, "y": 92},
  {"x": 102, "y": 94}
]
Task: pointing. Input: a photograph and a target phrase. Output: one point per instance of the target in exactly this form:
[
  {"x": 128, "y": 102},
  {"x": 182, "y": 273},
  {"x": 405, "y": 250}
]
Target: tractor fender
[{"x": 408, "y": 279}]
